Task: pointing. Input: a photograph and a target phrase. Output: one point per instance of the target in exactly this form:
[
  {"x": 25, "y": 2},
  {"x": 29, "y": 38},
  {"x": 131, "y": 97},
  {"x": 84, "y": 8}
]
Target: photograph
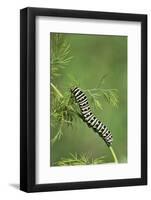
[{"x": 88, "y": 99}]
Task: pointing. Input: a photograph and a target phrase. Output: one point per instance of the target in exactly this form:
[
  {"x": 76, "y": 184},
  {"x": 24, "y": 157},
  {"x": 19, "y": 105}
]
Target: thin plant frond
[
  {"x": 80, "y": 159},
  {"x": 60, "y": 54},
  {"x": 101, "y": 80},
  {"x": 98, "y": 95},
  {"x": 63, "y": 112}
]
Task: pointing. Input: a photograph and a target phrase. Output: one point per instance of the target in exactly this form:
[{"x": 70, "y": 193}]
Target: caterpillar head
[{"x": 72, "y": 89}]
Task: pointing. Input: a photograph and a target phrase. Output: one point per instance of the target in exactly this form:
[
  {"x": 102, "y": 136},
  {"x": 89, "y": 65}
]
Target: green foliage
[
  {"x": 61, "y": 109},
  {"x": 60, "y": 54},
  {"x": 81, "y": 159},
  {"x": 97, "y": 95},
  {"x": 62, "y": 113}
]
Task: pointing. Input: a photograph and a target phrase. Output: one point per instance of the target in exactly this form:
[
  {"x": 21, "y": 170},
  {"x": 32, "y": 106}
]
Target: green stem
[
  {"x": 56, "y": 90},
  {"x": 60, "y": 95},
  {"x": 113, "y": 154}
]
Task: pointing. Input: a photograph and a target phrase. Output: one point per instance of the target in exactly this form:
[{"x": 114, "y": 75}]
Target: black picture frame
[{"x": 28, "y": 99}]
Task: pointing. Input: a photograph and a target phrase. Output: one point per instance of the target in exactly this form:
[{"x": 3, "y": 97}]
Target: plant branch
[
  {"x": 113, "y": 154},
  {"x": 56, "y": 90}
]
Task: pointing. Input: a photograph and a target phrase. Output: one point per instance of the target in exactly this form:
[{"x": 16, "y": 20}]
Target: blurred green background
[{"x": 90, "y": 61}]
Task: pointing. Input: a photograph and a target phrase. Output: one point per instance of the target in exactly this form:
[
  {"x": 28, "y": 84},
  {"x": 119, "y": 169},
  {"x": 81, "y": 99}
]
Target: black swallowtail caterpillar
[{"x": 89, "y": 117}]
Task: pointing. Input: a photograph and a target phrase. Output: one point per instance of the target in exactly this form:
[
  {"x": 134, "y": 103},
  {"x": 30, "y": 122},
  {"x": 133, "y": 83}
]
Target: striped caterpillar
[{"x": 89, "y": 117}]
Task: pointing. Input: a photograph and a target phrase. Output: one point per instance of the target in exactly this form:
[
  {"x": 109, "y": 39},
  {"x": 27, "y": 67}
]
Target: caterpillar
[{"x": 89, "y": 117}]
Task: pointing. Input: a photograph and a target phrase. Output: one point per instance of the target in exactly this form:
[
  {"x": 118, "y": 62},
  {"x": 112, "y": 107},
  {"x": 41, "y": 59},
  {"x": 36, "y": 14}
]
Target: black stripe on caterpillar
[{"x": 89, "y": 117}]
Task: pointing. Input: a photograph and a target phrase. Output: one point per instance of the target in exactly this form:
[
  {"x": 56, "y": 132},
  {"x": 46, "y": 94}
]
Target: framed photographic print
[{"x": 83, "y": 99}]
